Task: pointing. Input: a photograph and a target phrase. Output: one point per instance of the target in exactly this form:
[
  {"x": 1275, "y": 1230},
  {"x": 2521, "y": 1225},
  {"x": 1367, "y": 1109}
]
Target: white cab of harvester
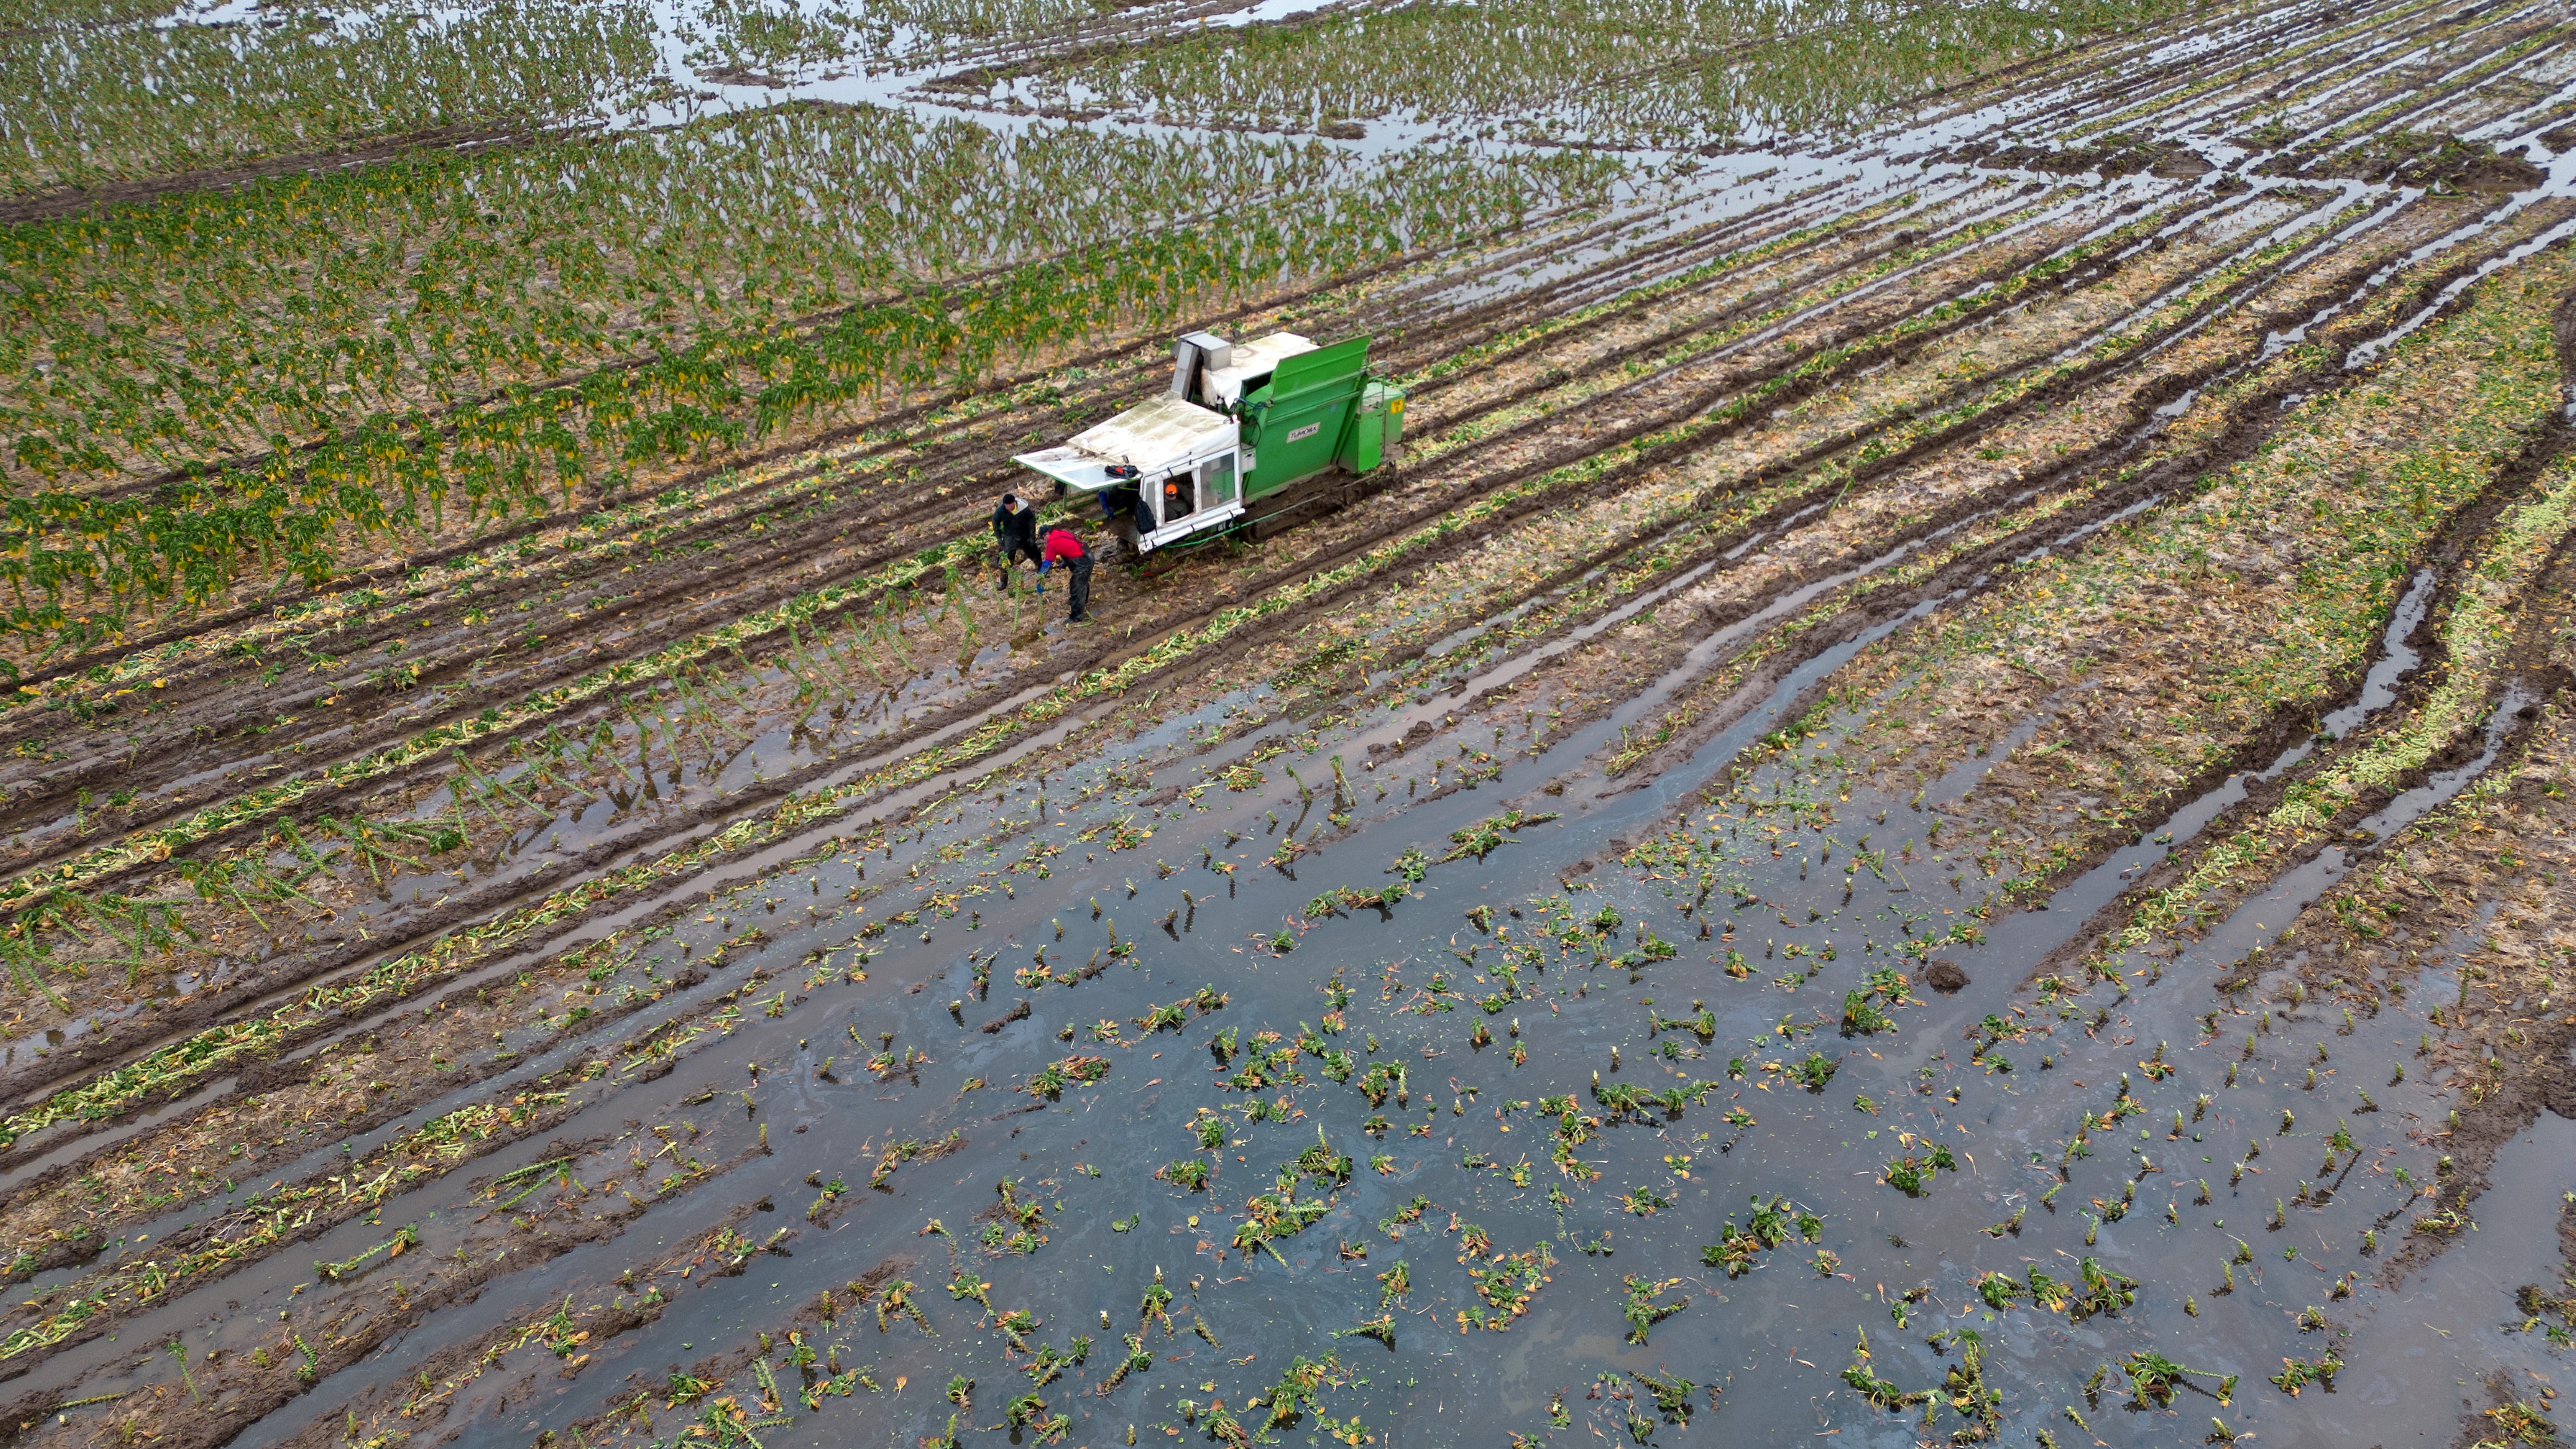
[{"x": 1186, "y": 454}]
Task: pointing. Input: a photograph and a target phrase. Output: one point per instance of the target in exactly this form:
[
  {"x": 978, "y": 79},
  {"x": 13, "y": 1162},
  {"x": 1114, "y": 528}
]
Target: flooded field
[{"x": 1928, "y": 805}]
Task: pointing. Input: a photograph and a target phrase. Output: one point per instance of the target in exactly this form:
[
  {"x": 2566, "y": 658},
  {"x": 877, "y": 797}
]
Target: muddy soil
[{"x": 1929, "y": 804}]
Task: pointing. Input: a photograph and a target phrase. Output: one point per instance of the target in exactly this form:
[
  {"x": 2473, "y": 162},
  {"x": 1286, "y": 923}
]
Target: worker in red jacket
[{"x": 1064, "y": 546}]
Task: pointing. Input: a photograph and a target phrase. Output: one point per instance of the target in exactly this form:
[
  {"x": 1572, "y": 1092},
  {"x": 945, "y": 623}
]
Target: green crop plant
[
  {"x": 1507, "y": 1283},
  {"x": 1641, "y": 1304},
  {"x": 1051, "y": 1081},
  {"x": 1738, "y": 1250},
  {"x": 1879, "y": 1392},
  {"x": 2297, "y": 1374},
  {"x": 1280, "y": 1213},
  {"x": 1912, "y": 1174}
]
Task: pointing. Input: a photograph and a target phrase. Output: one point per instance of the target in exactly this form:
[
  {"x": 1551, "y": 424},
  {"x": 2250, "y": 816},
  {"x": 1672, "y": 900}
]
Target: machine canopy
[{"x": 1152, "y": 437}]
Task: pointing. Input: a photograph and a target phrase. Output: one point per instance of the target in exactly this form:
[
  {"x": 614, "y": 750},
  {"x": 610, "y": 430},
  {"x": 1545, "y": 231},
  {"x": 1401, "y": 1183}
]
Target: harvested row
[{"x": 2114, "y": 454}]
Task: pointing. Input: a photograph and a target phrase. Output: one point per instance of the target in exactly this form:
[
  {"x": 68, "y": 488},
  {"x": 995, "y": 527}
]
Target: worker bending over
[
  {"x": 1015, "y": 533},
  {"x": 1064, "y": 546}
]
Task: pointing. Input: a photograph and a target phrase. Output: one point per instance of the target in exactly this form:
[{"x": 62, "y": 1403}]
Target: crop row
[
  {"x": 2309, "y": 577},
  {"x": 186, "y": 541},
  {"x": 91, "y": 105},
  {"x": 1644, "y": 73}
]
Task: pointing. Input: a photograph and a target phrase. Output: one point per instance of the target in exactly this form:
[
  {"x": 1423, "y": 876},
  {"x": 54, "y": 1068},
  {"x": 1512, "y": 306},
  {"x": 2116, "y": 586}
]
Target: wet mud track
[{"x": 1694, "y": 907}]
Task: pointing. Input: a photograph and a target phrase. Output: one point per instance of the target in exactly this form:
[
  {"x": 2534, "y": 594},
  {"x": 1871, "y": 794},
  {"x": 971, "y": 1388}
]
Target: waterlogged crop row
[
  {"x": 1642, "y": 73},
  {"x": 95, "y": 104},
  {"x": 396, "y": 474},
  {"x": 268, "y": 1220}
]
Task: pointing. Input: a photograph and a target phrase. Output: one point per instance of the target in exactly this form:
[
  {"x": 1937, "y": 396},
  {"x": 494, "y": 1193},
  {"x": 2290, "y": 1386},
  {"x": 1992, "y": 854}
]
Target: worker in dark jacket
[
  {"x": 1064, "y": 546},
  {"x": 1015, "y": 533}
]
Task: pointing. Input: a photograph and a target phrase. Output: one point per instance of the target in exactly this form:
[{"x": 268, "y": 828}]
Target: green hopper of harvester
[{"x": 1248, "y": 437}]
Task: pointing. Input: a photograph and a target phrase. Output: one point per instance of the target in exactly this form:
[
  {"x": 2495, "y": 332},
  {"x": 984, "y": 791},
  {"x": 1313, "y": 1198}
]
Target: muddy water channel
[{"x": 1657, "y": 1149}]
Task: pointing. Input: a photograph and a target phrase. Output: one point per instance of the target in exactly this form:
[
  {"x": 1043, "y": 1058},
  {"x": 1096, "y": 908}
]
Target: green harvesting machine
[{"x": 1247, "y": 437}]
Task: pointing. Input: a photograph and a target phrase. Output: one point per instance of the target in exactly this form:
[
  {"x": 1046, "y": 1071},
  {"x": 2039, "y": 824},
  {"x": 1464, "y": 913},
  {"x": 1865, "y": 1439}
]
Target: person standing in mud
[
  {"x": 1064, "y": 546},
  {"x": 1015, "y": 533}
]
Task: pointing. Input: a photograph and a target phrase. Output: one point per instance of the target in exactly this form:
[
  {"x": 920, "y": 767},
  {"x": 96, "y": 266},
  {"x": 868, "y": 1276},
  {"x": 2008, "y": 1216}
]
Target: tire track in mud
[
  {"x": 2146, "y": 422},
  {"x": 2260, "y": 792},
  {"x": 2527, "y": 663},
  {"x": 2251, "y": 420}
]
